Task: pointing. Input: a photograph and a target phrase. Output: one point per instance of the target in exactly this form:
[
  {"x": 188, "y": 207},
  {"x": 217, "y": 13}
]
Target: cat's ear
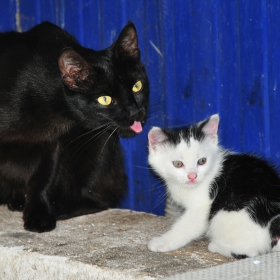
[
  {"x": 210, "y": 127},
  {"x": 126, "y": 47},
  {"x": 76, "y": 73},
  {"x": 156, "y": 136}
]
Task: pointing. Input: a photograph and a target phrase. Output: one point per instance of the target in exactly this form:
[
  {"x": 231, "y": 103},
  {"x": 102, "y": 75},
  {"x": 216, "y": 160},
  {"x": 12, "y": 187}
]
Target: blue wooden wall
[{"x": 202, "y": 57}]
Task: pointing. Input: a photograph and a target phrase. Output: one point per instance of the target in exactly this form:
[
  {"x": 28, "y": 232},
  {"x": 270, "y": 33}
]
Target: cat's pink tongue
[{"x": 136, "y": 127}]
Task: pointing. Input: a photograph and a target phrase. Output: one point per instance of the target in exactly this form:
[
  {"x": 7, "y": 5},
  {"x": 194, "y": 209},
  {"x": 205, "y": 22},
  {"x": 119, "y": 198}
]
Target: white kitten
[{"x": 219, "y": 197}]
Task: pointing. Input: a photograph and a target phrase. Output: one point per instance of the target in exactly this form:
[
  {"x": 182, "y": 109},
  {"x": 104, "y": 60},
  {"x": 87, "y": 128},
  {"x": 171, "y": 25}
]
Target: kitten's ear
[
  {"x": 126, "y": 47},
  {"x": 210, "y": 127},
  {"x": 76, "y": 73},
  {"x": 156, "y": 136}
]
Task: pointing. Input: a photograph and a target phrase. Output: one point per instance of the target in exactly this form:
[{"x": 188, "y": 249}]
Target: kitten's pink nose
[{"x": 192, "y": 176}]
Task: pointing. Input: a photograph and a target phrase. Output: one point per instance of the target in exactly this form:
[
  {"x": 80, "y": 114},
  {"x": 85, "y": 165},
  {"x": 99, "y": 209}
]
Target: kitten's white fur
[
  {"x": 227, "y": 234},
  {"x": 194, "y": 197},
  {"x": 226, "y": 229}
]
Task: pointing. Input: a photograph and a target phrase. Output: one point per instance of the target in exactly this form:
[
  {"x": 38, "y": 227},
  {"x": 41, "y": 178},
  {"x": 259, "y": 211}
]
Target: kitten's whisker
[
  {"x": 160, "y": 200},
  {"x": 154, "y": 187},
  {"x": 162, "y": 195},
  {"x": 148, "y": 168}
]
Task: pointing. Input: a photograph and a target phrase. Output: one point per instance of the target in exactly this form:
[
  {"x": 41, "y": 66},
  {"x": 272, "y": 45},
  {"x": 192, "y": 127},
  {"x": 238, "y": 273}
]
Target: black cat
[{"x": 62, "y": 109}]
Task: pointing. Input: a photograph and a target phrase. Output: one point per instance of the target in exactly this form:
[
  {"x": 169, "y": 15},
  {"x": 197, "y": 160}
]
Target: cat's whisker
[
  {"x": 152, "y": 119},
  {"x": 116, "y": 137},
  {"x": 99, "y": 134},
  {"x": 154, "y": 109},
  {"x": 155, "y": 106},
  {"x": 82, "y": 139},
  {"x": 89, "y": 141},
  {"x": 86, "y": 133},
  {"x": 108, "y": 139},
  {"x": 154, "y": 112}
]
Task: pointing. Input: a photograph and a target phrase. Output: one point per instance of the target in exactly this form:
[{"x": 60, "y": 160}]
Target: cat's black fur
[{"x": 60, "y": 154}]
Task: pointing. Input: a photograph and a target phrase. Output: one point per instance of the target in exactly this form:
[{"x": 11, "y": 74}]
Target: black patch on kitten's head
[
  {"x": 196, "y": 131},
  {"x": 205, "y": 129}
]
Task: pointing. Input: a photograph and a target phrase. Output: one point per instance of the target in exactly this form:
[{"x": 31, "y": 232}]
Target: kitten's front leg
[{"x": 191, "y": 225}]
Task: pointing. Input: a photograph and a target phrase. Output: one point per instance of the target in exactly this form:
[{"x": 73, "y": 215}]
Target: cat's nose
[
  {"x": 192, "y": 176},
  {"x": 132, "y": 111}
]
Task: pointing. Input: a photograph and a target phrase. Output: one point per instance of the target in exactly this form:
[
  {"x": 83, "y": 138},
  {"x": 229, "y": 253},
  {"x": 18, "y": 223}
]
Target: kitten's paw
[
  {"x": 39, "y": 223},
  {"x": 222, "y": 250},
  {"x": 161, "y": 244},
  {"x": 216, "y": 248}
]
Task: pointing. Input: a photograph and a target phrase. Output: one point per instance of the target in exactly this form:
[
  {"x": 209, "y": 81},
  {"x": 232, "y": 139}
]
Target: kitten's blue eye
[
  {"x": 177, "y": 163},
  {"x": 201, "y": 161}
]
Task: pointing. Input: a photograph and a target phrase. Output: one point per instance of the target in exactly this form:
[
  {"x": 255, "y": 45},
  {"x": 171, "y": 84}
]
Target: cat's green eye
[
  {"x": 201, "y": 161},
  {"x": 137, "y": 86},
  {"x": 105, "y": 100},
  {"x": 177, "y": 163}
]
